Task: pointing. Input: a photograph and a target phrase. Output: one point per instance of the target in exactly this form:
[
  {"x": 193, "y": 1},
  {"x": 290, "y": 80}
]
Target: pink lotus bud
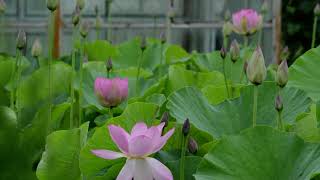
[
  {"x": 278, "y": 103},
  {"x": 36, "y": 50},
  {"x": 282, "y": 74},
  {"x": 256, "y": 70},
  {"x": 234, "y": 51},
  {"x": 111, "y": 92},
  {"x": 192, "y": 146},
  {"x": 223, "y": 53},
  {"x": 246, "y": 22}
]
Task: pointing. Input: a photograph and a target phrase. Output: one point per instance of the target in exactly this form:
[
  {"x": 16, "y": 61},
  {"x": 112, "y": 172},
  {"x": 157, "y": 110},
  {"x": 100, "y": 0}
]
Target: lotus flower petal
[
  {"x": 120, "y": 137},
  {"x": 159, "y": 171},
  {"x": 106, "y": 154}
]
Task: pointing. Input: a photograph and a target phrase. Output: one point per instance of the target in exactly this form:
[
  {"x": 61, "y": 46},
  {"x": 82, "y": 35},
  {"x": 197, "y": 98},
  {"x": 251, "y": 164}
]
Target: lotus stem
[
  {"x": 245, "y": 41},
  {"x": 18, "y": 90},
  {"x": 138, "y": 74},
  {"x": 255, "y": 105},
  {"x": 314, "y": 31},
  {"x": 73, "y": 64},
  {"x": 225, "y": 77},
  {"x": 225, "y": 42},
  {"x": 109, "y": 20},
  {"x": 13, "y": 81},
  {"x": 81, "y": 79},
  {"x": 50, "y": 59},
  {"x": 280, "y": 123},
  {"x": 183, "y": 156}
]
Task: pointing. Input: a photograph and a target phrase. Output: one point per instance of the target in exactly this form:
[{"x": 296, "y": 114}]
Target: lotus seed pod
[
  {"x": 278, "y": 103},
  {"x": 256, "y": 70},
  {"x": 234, "y": 51},
  {"x": 21, "y": 40},
  {"x": 165, "y": 118},
  {"x": 109, "y": 65},
  {"x": 227, "y": 29},
  {"x": 192, "y": 146},
  {"x": 76, "y": 16},
  {"x": 84, "y": 29},
  {"x": 186, "y": 127},
  {"x": 3, "y": 6},
  {"x": 36, "y": 50},
  {"x": 282, "y": 74},
  {"x": 223, "y": 53},
  {"x": 52, "y": 5},
  {"x": 316, "y": 10},
  {"x": 81, "y": 4}
]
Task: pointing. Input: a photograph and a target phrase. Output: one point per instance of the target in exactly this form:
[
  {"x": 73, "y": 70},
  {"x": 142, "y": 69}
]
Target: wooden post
[
  {"x": 57, "y": 26},
  {"x": 277, "y": 30}
]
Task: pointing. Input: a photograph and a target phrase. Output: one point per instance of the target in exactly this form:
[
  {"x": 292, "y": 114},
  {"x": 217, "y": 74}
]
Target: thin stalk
[
  {"x": 73, "y": 64},
  {"x": 280, "y": 123},
  {"x": 314, "y": 31},
  {"x": 110, "y": 112},
  {"x": 225, "y": 77},
  {"x": 183, "y": 156},
  {"x": 245, "y": 41},
  {"x": 241, "y": 76},
  {"x": 225, "y": 42},
  {"x": 13, "y": 81},
  {"x": 18, "y": 91},
  {"x": 109, "y": 21},
  {"x": 260, "y": 32},
  {"x": 232, "y": 87},
  {"x": 81, "y": 79},
  {"x": 50, "y": 59},
  {"x": 255, "y": 105},
  {"x": 97, "y": 29},
  {"x": 138, "y": 74}
]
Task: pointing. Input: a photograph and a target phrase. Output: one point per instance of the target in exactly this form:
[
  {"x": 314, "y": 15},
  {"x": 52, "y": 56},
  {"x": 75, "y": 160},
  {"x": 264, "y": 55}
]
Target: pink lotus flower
[
  {"x": 111, "y": 92},
  {"x": 136, "y": 147},
  {"x": 246, "y": 21}
]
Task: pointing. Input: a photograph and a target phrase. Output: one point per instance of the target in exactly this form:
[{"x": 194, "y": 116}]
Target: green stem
[
  {"x": 314, "y": 31},
  {"x": 255, "y": 105},
  {"x": 138, "y": 74},
  {"x": 225, "y": 77},
  {"x": 18, "y": 93},
  {"x": 13, "y": 81},
  {"x": 81, "y": 79},
  {"x": 183, "y": 156},
  {"x": 225, "y": 42},
  {"x": 109, "y": 21},
  {"x": 50, "y": 59},
  {"x": 260, "y": 32},
  {"x": 280, "y": 124},
  {"x": 110, "y": 112},
  {"x": 245, "y": 41},
  {"x": 73, "y": 64},
  {"x": 232, "y": 87}
]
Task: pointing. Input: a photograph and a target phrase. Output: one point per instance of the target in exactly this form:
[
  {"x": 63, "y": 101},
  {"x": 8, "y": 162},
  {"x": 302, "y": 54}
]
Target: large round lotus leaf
[
  {"x": 304, "y": 73},
  {"x": 261, "y": 153},
  {"x": 233, "y": 116}
]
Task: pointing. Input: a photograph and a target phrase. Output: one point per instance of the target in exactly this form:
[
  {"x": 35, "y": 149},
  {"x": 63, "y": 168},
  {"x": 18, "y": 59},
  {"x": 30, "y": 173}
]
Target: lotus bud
[
  {"x": 143, "y": 44},
  {"x": 81, "y": 4},
  {"x": 285, "y": 53},
  {"x": 36, "y": 50},
  {"x": 246, "y": 22},
  {"x": 256, "y": 70},
  {"x": 192, "y": 146},
  {"x": 171, "y": 13},
  {"x": 227, "y": 29},
  {"x": 111, "y": 92},
  {"x": 282, "y": 74},
  {"x": 278, "y": 103},
  {"x": 21, "y": 40},
  {"x": 109, "y": 65},
  {"x": 165, "y": 118},
  {"x": 3, "y": 6},
  {"x": 264, "y": 7},
  {"x": 76, "y": 16},
  {"x": 52, "y": 5},
  {"x": 186, "y": 127},
  {"x": 84, "y": 29},
  {"x": 223, "y": 53},
  {"x": 316, "y": 10},
  {"x": 234, "y": 51},
  {"x": 227, "y": 15}
]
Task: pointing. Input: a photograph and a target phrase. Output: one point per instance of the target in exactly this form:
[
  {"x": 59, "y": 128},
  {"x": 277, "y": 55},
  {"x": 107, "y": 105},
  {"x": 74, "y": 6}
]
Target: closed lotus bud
[
  {"x": 234, "y": 51},
  {"x": 264, "y": 7},
  {"x": 246, "y": 22},
  {"x": 171, "y": 13},
  {"x": 81, "y": 4},
  {"x": 256, "y": 71},
  {"x": 192, "y": 146},
  {"x": 227, "y": 15},
  {"x": 109, "y": 65},
  {"x": 165, "y": 118},
  {"x": 285, "y": 53},
  {"x": 52, "y": 5},
  {"x": 223, "y": 53},
  {"x": 316, "y": 10},
  {"x": 186, "y": 127},
  {"x": 21, "y": 40},
  {"x": 282, "y": 74},
  {"x": 36, "y": 50},
  {"x": 227, "y": 29},
  {"x": 84, "y": 29},
  {"x": 111, "y": 92},
  {"x": 3, "y": 6},
  {"x": 76, "y": 16},
  {"x": 143, "y": 44},
  {"x": 278, "y": 103}
]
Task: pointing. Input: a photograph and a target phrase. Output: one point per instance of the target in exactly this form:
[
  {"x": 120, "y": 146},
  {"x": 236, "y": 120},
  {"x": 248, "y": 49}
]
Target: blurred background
[{"x": 196, "y": 24}]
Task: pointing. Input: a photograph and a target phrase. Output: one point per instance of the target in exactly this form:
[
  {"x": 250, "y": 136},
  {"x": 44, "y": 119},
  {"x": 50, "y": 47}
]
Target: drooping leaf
[
  {"x": 261, "y": 153},
  {"x": 99, "y": 50}
]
